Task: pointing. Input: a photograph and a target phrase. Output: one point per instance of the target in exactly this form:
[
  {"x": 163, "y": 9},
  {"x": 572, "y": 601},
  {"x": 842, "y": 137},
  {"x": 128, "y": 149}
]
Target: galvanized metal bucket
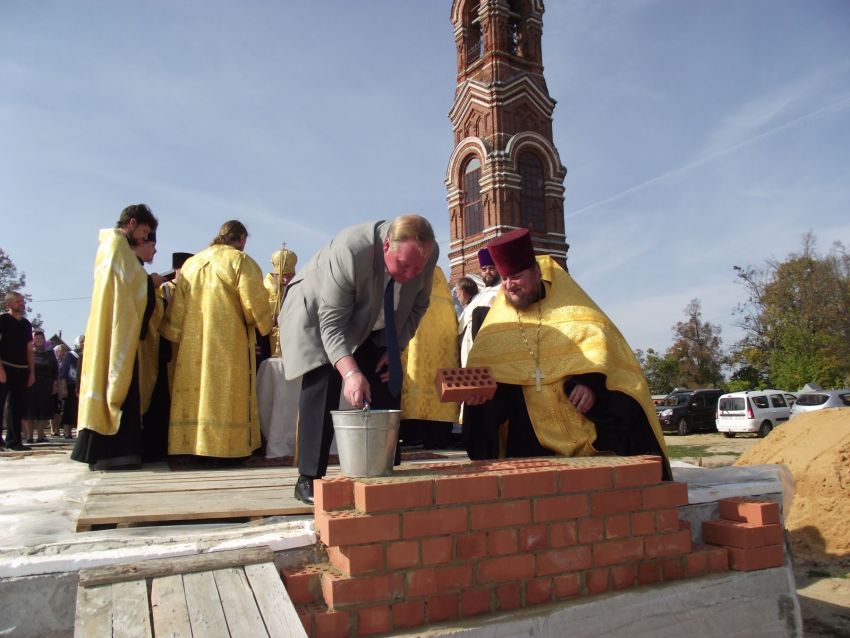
[{"x": 366, "y": 440}]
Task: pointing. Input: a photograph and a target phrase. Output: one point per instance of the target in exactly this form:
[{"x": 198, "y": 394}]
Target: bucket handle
[{"x": 365, "y": 413}]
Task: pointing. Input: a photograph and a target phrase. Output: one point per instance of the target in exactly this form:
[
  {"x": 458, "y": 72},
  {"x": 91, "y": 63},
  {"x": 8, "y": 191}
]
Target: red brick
[
  {"x": 402, "y": 554},
  {"x": 471, "y": 546},
  {"x": 560, "y": 508},
  {"x": 585, "y": 479},
  {"x": 718, "y": 559},
  {"x": 420, "y": 582},
  {"x": 746, "y": 560},
  {"x": 618, "y": 526},
  {"x": 638, "y": 472},
  {"x": 563, "y": 534},
  {"x": 566, "y": 585},
  {"x": 332, "y": 494},
  {"x": 534, "y": 538},
  {"x": 385, "y": 497},
  {"x": 596, "y": 581},
  {"x": 649, "y": 572},
  {"x": 665, "y": 496},
  {"x": 643, "y": 523},
  {"x": 306, "y": 618},
  {"x": 737, "y": 534},
  {"x": 591, "y": 530},
  {"x": 696, "y": 563},
  {"x": 508, "y": 597},
  {"x": 355, "y": 560},
  {"x": 340, "y": 591},
  {"x": 502, "y": 542},
  {"x": 667, "y": 521},
  {"x": 669, "y": 544},
  {"x": 466, "y": 489},
  {"x": 749, "y": 510},
  {"x": 350, "y": 528},
  {"x": 442, "y": 608},
  {"x": 332, "y": 624},
  {"x": 774, "y": 535},
  {"x": 538, "y": 591},
  {"x": 623, "y": 576},
  {"x": 672, "y": 569},
  {"x": 614, "y": 552},
  {"x": 507, "y": 514},
  {"x": 524, "y": 484},
  {"x": 460, "y": 384},
  {"x": 303, "y": 584},
  {"x": 560, "y": 561},
  {"x": 373, "y": 620},
  {"x": 434, "y": 522},
  {"x": 436, "y": 550},
  {"x": 505, "y": 568},
  {"x": 408, "y": 614},
  {"x": 473, "y": 603},
  {"x": 454, "y": 577},
  {"x": 615, "y": 502}
]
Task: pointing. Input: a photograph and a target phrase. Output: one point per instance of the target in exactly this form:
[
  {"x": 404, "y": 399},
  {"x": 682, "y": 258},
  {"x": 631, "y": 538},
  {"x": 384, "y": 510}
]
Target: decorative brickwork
[
  {"x": 505, "y": 171},
  {"x": 445, "y": 540}
]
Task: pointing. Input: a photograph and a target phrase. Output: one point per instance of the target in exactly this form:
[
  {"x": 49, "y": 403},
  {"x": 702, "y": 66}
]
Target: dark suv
[{"x": 685, "y": 411}]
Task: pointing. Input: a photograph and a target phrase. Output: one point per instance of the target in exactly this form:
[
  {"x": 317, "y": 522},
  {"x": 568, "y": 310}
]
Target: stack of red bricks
[
  {"x": 442, "y": 541},
  {"x": 751, "y": 532}
]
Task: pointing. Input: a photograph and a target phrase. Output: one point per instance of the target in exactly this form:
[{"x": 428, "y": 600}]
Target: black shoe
[
  {"x": 304, "y": 489},
  {"x": 20, "y": 447}
]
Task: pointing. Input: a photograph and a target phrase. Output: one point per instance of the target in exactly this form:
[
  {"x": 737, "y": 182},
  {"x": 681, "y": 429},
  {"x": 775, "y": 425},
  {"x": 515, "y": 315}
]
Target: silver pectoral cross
[{"x": 538, "y": 375}]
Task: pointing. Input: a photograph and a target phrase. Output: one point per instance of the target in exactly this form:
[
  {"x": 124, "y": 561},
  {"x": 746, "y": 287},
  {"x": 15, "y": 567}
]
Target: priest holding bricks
[{"x": 567, "y": 381}]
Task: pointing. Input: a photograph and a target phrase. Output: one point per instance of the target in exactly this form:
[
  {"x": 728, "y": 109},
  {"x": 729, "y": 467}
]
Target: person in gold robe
[
  {"x": 567, "y": 381},
  {"x": 433, "y": 346},
  {"x": 283, "y": 262},
  {"x": 109, "y": 416},
  {"x": 218, "y": 302}
]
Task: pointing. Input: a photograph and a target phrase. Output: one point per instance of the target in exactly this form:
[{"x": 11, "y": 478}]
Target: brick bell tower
[{"x": 505, "y": 171}]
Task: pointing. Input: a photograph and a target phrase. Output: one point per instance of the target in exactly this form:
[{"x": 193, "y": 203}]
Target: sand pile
[{"x": 816, "y": 448}]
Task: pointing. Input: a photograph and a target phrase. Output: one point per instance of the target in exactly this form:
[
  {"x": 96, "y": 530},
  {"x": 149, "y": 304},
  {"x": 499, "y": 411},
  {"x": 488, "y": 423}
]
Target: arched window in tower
[
  {"x": 474, "y": 39},
  {"x": 473, "y": 219},
  {"x": 532, "y": 194},
  {"x": 515, "y": 20}
]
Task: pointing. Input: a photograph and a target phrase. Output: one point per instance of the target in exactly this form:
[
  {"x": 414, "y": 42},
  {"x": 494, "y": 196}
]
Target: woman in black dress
[{"x": 41, "y": 396}]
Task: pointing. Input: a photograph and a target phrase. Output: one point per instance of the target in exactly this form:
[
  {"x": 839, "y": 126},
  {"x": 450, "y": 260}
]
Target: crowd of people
[{"x": 170, "y": 365}]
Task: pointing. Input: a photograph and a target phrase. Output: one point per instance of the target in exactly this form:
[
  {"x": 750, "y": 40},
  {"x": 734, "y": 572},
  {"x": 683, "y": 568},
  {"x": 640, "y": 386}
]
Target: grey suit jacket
[{"x": 333, "y": 302}]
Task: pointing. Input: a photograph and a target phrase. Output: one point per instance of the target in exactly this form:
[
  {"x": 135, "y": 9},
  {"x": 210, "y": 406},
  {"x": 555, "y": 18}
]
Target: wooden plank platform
[
  {"x": 159, "y": 495},
  {"x": 233, "y": 593}
]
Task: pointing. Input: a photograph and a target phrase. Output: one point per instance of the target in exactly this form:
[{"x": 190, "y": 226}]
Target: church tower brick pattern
[{"x": 505, "y": 171}]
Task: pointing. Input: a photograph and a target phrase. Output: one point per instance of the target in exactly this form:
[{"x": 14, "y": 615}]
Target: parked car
[
  {"x": 808, "y": 401},
  {"x": 757, "y": 411},
  {"x": 685, "y": 411}
]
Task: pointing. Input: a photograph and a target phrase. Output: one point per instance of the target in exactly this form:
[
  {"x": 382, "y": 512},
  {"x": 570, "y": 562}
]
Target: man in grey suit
[{"x": 332, "y": 328}]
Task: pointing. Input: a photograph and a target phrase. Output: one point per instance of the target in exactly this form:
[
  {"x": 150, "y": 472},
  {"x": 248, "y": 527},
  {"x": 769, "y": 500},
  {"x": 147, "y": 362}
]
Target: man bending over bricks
[{"x": 567, "y": 381}]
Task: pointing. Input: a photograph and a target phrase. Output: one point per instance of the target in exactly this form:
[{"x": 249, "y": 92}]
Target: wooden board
[
  {"x": 205, "y": 612},
  {"x": 168, "y": 607}
]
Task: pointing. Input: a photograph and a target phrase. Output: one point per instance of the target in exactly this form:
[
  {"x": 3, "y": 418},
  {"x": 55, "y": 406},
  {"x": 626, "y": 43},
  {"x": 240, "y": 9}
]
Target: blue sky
[{"x": 697, "y": 135}]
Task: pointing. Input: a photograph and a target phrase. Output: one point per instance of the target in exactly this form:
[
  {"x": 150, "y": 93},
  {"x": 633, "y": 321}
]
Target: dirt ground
[{"x": 823, "y": 584}]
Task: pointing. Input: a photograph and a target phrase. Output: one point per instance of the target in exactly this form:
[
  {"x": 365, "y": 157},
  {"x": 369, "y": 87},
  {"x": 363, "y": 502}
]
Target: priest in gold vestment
[
  {"x": 567, "y": 381},
  {"x": 109, "y": 419},
  {"x": 433, "y": 346},
  {"x": 283, "y": 262},
  {"x": 218, "y": 303}
]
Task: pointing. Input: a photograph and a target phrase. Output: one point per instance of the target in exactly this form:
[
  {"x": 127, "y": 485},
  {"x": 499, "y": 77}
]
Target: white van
[{"x": 756, "y": 411}]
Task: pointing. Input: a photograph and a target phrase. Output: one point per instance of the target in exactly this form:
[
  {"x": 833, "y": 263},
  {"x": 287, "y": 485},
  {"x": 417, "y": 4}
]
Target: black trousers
[
  {"x": 320, "y": 390},
  {"x": 15, "y": 389}
]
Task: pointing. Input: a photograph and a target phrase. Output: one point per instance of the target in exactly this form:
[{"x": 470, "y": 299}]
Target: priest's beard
[{"x": 521, "y": 299}]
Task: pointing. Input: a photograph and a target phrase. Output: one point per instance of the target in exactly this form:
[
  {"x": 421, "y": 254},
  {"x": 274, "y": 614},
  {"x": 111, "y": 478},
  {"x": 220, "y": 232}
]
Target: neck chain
[{"x": 535, "y": 354}]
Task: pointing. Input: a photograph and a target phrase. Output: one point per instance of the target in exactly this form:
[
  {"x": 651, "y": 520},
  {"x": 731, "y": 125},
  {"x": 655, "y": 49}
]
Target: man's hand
[
  {"x": 31, "y": 379},
  {"x": 477, "y": 399},
  {"x": 2, "y": 374},
  {"x": 383, "y": 367},
  {"x": 356, "y": 390},
  {"x": 582, "y": 398}
]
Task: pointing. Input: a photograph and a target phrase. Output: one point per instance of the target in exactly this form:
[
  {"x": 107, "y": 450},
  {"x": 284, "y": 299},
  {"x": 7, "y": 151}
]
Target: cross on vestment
[{"x": 538, "y": 375}]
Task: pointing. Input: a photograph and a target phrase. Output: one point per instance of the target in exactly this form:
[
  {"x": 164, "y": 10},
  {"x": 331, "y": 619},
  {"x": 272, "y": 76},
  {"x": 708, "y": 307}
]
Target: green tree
[
  {"x": 661, "y": 371},
  {"x": 697, "y": 349},
  {"x": 797, "y": 318},
  {"x": 13, "y": 281}
]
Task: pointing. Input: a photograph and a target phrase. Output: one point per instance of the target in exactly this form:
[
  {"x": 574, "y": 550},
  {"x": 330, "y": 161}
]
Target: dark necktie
[{"x": 391, "y": 339}]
